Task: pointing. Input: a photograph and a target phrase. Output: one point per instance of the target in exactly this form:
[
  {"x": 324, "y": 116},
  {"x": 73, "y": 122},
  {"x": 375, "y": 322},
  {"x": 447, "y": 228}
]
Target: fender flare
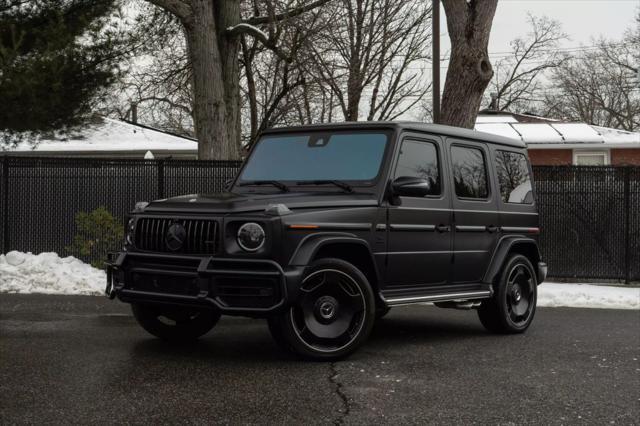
[
  {"x": 501, "y": 252},
  {"x": 309, "y": 246},
  {"x": 312, "y": 243}
]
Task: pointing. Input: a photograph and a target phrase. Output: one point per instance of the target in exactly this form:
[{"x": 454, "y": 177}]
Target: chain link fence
[
  {"x": 40, "y": 197},
  {"x": 590, "y": 216}
]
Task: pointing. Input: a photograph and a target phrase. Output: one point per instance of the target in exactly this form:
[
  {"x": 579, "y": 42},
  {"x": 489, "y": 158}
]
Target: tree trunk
[
  {"x": 469, "y": 73},
  {"x": 227, "y": 14},
  {"x": 216, "y": 117}
]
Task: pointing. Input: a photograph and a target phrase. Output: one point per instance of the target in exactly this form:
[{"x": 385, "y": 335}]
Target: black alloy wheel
[
  {"x": 513, "y": 306},
  {"x": 333, "y": 315}
]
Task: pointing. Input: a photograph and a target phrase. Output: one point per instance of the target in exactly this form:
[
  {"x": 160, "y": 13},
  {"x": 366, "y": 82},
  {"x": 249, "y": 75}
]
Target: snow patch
[
  {"x": 49, "y": 273},
  {"x": 588, "y": 296}
]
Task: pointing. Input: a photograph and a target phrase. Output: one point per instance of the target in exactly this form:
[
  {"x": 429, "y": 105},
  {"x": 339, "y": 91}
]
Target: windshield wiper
[
  {"x": 281, "y": 186},
  {"x": 340, "y": 184}
]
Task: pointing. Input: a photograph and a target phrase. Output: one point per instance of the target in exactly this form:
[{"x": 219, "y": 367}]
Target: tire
[
  {"x": 513, "y": 305},
  {"x": 175, "y": 323},
  {"x": 333, "y": 315}
]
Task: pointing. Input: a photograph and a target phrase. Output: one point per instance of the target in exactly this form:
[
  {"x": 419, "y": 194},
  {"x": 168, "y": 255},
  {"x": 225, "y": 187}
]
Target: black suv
[{"x": 326, "y": 227}]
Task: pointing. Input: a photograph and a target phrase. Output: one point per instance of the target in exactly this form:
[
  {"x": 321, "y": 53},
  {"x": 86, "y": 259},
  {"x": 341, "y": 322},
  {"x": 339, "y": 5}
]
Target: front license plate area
[{"x": 158, "y": 283}]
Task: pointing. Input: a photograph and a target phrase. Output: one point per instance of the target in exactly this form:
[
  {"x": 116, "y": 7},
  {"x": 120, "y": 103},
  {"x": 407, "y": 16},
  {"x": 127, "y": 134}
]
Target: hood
[{"x": 228, "y": 202}]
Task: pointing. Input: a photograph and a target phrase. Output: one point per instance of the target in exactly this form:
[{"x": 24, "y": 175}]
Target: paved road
[{"x": 84, "y": 360}]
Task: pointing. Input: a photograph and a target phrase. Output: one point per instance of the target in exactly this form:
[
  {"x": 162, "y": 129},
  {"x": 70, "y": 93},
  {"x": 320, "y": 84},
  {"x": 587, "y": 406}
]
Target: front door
[
  {"x": 419, "y": 244},
  {"x": 475, "y": 211}
]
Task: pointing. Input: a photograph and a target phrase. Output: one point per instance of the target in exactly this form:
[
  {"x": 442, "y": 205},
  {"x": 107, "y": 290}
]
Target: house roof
[
  {"x": 539, "y": 132},
  {"x": 110, "y": 136}
]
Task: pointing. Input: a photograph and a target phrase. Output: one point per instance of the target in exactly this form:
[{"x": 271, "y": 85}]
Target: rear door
[
  {"x": 419, "y": 244},
  {"x": 475, "y": 211}
]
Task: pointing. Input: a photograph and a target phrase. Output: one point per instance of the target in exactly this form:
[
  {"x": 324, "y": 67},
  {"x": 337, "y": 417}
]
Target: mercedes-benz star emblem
[{"x": 175, "y": 237}]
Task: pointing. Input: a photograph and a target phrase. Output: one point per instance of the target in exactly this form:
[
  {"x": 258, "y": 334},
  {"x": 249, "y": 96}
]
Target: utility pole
[{"x": 435, "y": 59}]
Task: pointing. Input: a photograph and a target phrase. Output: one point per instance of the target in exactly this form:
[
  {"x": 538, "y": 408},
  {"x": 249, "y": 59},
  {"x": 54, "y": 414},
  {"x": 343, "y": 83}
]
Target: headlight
[
  {"x": 128, "y": 237},
  {"x": 251, "y": 236}
]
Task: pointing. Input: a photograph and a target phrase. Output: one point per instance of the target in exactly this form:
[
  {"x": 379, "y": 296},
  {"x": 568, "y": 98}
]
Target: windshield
[{"x": 342, "y": 156}]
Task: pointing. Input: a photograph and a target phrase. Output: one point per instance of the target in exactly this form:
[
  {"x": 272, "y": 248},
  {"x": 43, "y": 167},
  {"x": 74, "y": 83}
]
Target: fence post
[
  {"x": 627, "y": 225},
  {"x": 5, "y": 204},
  {"x": 161, "y": 178}
]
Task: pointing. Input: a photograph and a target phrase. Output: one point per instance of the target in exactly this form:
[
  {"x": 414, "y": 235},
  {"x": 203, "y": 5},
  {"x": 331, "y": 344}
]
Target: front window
[
  {"x": 355, "y": 157},
  {"x": 419, "y": 159}
]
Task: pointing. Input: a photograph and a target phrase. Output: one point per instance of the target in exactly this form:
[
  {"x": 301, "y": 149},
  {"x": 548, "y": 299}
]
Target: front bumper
[
  {"x": 542, "y": 272},
  {"x": 252, "y": 287}
]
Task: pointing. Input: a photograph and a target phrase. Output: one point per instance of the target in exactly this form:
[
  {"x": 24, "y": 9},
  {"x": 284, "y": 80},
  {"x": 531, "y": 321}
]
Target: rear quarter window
[
  {"x": 514, "y": 178},
  {"x": 469, "y": 172}
]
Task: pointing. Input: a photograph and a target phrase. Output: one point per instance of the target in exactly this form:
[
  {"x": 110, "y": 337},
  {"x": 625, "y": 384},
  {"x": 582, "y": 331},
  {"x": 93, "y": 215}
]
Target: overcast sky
[{"x": 582, "y": 20}]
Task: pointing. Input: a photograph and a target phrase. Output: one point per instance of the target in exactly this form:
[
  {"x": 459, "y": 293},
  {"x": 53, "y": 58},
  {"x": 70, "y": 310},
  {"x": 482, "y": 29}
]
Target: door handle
[
  {"x": 443, "y": 228},
  {"x": 491, "y": 229}
]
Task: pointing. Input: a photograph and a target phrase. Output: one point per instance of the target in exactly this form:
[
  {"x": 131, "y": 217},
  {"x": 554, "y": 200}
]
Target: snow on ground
[
  {"x": 50, "y": 274},
  {"x": 588, "y": 296}
]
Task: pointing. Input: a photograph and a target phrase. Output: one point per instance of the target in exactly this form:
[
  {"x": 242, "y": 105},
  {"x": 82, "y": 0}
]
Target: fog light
[{"x": 251, "y": 236}]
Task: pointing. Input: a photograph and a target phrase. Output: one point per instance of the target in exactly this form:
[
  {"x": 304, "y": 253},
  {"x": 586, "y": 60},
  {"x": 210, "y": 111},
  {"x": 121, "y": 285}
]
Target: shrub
[{"x": 98, "y": 232}]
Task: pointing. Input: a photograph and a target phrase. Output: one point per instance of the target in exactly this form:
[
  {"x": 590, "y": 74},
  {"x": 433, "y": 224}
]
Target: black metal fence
[
  {"x": 590, "y": 220},
  {"x": 40, "y": 197},
  {"x": 590, "y": 216}
]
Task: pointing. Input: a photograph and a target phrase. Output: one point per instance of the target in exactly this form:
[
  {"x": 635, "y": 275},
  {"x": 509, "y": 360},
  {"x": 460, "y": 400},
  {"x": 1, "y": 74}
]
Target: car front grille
[{"x": 200, "y": 235}]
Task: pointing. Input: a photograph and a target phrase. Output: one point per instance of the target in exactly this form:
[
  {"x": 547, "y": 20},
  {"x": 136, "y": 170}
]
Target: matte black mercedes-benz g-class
[{"x": 326, "y": 227}]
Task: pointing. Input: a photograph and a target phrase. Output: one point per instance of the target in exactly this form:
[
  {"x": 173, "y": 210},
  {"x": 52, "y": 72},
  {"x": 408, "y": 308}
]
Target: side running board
[{"x": 443, "y": 297}]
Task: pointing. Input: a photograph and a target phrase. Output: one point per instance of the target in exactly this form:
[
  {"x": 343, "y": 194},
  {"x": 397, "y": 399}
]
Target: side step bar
[{"x": 444, "y": 297}]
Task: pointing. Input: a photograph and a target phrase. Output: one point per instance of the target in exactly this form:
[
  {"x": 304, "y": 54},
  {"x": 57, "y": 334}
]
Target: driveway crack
[{"x": 339, "y": 390}]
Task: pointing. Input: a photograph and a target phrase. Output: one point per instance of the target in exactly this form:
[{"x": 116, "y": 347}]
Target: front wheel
[
  {"x": 513, "y": 305},
  {"x": 333, "y": 315},
  {"x": 175, "y": 323}
]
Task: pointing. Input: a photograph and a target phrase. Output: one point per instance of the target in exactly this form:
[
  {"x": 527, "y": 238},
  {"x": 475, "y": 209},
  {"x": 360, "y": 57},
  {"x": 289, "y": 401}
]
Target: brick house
[{"x": 552, "y": 142}]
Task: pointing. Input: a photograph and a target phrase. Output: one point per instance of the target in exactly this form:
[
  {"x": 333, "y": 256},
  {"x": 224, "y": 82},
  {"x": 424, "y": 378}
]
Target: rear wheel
[
  {"x": 513, "y": 305},
  {"x": 175, "y": 323},
  {"x": 333, "y": 315}
]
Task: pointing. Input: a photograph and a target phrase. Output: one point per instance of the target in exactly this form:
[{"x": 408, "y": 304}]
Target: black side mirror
[
  {"x": 411, "y": 186},
  {"x": 227, "y": 184}
]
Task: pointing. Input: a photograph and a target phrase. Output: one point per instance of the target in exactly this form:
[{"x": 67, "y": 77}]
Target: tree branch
[
  {"x": 261, "y": 20},
  {"x": 179, "y": 8},
  {"x": 258, "y": 34}
]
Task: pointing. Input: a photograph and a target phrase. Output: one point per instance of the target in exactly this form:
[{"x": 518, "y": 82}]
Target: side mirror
[
  {"x": 227, "y": 184},
  {"x": 411, "y": 186}
]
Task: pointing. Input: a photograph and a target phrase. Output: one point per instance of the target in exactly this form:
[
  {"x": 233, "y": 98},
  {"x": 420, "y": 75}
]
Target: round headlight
[{"x": 251, "y": 236}]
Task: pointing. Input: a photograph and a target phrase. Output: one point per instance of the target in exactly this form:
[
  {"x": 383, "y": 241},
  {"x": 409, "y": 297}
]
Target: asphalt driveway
[{"x": 73, "y": 359}]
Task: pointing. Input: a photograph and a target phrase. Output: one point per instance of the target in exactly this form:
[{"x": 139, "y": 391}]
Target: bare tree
[
  {"x": 469, "y": 24},
  {"x": 158, "y": 84},
  {"x": 276, "y": 83},
  {"x": 517, "y": 81},
  {"x": 372, "y": 51},
  {"x": 598, "y": 86},
  {"x": 212, "y": 32}
]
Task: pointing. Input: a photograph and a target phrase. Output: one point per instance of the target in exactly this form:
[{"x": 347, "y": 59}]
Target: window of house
[
  {"x": 420, "y": 159},
  {"x": 513, "y": 177},
  {"x": 591, "y": 158},
  {"x": 469, "y": 172}
]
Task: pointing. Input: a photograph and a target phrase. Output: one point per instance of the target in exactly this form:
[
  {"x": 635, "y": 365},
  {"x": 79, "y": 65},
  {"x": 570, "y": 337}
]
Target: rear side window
[
  {"x": 469, "y": 172},
  {"x": 420, "y": 159},
  {"x": 514, "y": 177}
]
